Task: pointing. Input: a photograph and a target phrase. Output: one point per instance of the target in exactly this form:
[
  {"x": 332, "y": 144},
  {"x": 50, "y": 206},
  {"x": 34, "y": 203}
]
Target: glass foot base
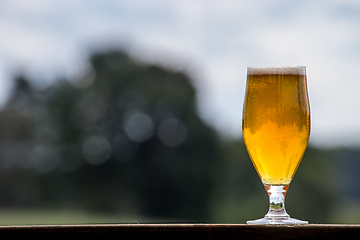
[{"x": 274, "y": 221}]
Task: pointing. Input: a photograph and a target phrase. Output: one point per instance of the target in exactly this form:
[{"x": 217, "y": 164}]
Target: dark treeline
[{"x": 126, "y": 139}]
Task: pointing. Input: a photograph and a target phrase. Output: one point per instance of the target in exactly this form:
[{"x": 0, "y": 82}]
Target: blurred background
[{"x": 130, "y": 111}]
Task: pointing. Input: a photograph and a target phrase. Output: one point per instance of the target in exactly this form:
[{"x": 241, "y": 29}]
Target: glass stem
[{"x": 277, "y": 195}]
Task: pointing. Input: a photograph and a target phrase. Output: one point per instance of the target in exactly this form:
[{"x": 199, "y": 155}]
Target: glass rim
[{"x": 296, "y": 70}]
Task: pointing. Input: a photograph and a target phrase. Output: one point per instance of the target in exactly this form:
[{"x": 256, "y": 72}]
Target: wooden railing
[{"x": 183, "y": 231}]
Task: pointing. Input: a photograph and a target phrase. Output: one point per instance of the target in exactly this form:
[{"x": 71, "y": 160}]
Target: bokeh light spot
[
  {"x": 138, "y": 126},
  {"x": 44, "y": 158},
  {"x": 96, "y": 149},
  {"x": 172, "y": 132}
]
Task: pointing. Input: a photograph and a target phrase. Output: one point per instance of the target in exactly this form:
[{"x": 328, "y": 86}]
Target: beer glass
[{"x": 276, "y": 130}]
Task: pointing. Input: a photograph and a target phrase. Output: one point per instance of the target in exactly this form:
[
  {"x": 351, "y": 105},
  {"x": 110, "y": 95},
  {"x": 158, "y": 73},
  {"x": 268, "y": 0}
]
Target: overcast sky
[{"x": 215, "y": 40}]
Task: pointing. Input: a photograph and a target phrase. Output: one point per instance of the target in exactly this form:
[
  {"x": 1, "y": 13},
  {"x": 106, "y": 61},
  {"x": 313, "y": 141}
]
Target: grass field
[
  {"x": 59, "y": 217},
  {"x": 349, "y": 213}
]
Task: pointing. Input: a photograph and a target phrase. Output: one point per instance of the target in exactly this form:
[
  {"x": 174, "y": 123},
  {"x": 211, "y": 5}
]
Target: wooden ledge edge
[{"x": 179, "y": 225}]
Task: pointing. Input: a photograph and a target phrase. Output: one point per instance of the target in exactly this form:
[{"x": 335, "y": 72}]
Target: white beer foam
[{"x": 293, "y": 70}]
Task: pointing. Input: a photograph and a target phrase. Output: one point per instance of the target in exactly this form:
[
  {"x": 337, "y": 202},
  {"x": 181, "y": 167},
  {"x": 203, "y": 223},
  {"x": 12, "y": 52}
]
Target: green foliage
[
  {"x": 239, "y": 194},
  {"x": 125, "y": 138},
  {"x": 312, "y": 194}
]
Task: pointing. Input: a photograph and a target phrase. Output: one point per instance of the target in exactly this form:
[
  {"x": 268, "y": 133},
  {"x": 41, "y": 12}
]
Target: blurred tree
[
  {"x": 124, "y": 137},
  {"x": 239, "y": 193},
  {"x": 313, "y": 192}
]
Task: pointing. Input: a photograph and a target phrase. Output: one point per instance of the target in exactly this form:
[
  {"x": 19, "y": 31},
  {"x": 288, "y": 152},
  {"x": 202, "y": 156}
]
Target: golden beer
[{"x": 276, "y": 121}]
